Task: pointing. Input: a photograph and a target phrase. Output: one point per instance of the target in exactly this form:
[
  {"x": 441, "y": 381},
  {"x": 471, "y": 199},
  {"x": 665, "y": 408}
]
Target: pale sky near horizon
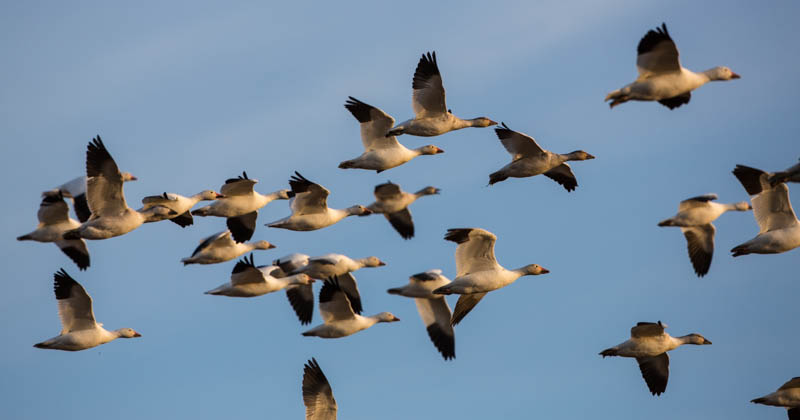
[{"x": 187, "y": 94}]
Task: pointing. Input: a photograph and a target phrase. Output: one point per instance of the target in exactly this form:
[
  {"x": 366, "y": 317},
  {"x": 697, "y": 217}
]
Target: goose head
[
  {"x": 263, "y": 245},
  {"x": 534, "y": 269},
  {"x": 358, "y": 210},
  {"x": 430, "y": 150},
  {"x": 209, "y": 195},
  {"x": 386, "y": 317},
  {"x": 580, "y": 155},
  {"x": 283, "y": 194},
  {"x": 128, "y": 333},
  {"x": 743, "y": 206},
  {"x": 695, "y": 339},
  {"x": 372, "y": 262},
  {"x": 127, "y": 176},
  {"x": 429, "y": 191},
  {"x": 482, "y": 122},
  {"x": 722, "y": 73}
]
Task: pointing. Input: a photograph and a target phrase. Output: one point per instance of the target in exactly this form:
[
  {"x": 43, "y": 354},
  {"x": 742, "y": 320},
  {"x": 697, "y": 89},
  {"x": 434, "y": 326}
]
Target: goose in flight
[
  {"x": 528, "y": 159},
  {"x": 179, "y": 204},
  {"x": 649, "y": 344},
  {"x": 301, "y": 297},
  {"x": 478, "y": 272},
  {"x": 431, "y": 115},
  {"x": 54, "y": 220},
  {"x": 220, "y": 247},
  {"x": 779, "y": 229},
  {"x": 788, "y": 395},
  {"x": 694, "y": 218},
  {"x": 247, "y": 280},
  {"x": 79, "y": 329},
  {"x": 111, "y": 215},
  {"x": 791, "y": 174},
  {"x": 338, "y": 315},
  {"x": 433, "y": 309},
  {"x": 661, "y": 76},
  {"x": 317, "y": 393},
  {"x": 239, "y": 204},
  {"x": 393, "y": 203},
  {"x": 309, "y": 206},
  {"x": 381, "y": 152}
]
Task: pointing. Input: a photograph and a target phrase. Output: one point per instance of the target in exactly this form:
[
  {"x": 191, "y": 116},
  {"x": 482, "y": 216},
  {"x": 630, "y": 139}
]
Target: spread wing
[
  {"x": 771, "y": 206},
  {"x": 655, "y": 371},
  {"x": 53, "y": 209},
  {"x": 700, "y": 243},
  {"x": 74, "y": 304},
  {"x": 221, "y": 239},
  {"x": 348, "y": 284},
  {"x": 517, "y": 144},
  {"x": 241, "y": 185},
  {"x": 301, "y": 297},
  {"x": 428, "y": 97},
  {"x": 246, "y": 272},
  {"x": 699, "y": 201},
  {"x": 374, "y": 125},
  {"x": 333, "y": 302},
  {"x": 402, "y": 222},
  {"x": 647, "y": 329},
  {"x": 464, "y": 305},
  {"x": 475, "y": 250},
  {"x": 183, "y": 220},
  {"x": 564, "y": 176},
  {"x": 657, "y": 53},
  {"x": 309, "y": 197},
  {"x": 76, "y": 250},
  {"x": 435, "y": 314},
  {"x": 387, "y": 191},
  {"x": 242, "y": 227},
  {"x": 104, "y": 181},
  {"x": 317, "y": 393}
]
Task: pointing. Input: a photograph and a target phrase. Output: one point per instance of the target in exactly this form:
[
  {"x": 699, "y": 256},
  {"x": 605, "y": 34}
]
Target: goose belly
[
  {"x": 105, "y": 227},
  {"x": 234, "y": 206}
]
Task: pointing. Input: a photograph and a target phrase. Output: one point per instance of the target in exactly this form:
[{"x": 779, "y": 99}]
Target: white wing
[
  {"x": 475, "y": 251},
  {"x": 657, "y": 54},
  {"x": 104, "y": 181},
  {"x": 374, "y": 125},
  {"x": 428, "y": 99},
  {"x": 74, "y": 304},
  {"x": 435, "y": 314},
  {"x": 317, "y": 393}
]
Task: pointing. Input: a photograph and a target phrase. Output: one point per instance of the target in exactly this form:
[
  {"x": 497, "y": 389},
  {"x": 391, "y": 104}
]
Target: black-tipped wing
[
  {"x": 794, "y": 413},
  {"x": 387, "y": 191},
  {"x": 519, "y": 145},
  {"x": 184, "y": 219},
  {"x": 771, "y": 206},
  {"x": 76, "y": 250},
  {"x": 657, "y": 53},
  {"x": 349, "y": 285},
  {"x": 74, "y": 304},
  {"x": 402, "y": 222},
  {"x": 334, "y": 304},
  {"x": 436, "y": 316},
  {"x": 53, "y": 209},
  {"x": 564, "y": 176},
  {"x": 700, "y": 200},
  {"x": 374, "y": 124},
  {"x": 242, "y": 227},
  {"x": 241, "y": 185},
  {"x": 792, "y": 383},
  {"x": 464, "y": 306},
  {"x": 301, "y": 297},
  {"x": 647, "y": 329},
  {"x": 104, "y": 183},
  {"x": 676, "y": 101},
  {"x": 475, "y": 250},
  {"x": 655, "y": 371},
  {"x": 317, "y": 393},
  {"x": 218, "y": 239},
  {"x": 428, "y": 98},
  {"x": 309, "y": 197},
  {"x": 81, "y": 207},
  {"x": 700, "y": 243}
]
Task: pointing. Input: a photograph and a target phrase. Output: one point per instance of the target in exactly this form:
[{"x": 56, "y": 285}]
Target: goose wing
[
  {"x": 771, "y": 206},
  {"x": 699, "y": 201},
  {"x": 657, "y": 53},
  {"x": 74, "y": 304},
  {"x": 76, "y": 189},
  {"x": 348, "y": 284},
  {"x": 246, "y": 272},
  {"x": 221, "y": 239},
  {"x": 301, "y": 297},
  {"x": 309, "y": 197},
  {"x": 333, "y": 302},
  {"x": 242, "y": 227},
  {"x": 317, "y": 393},
  {"x": 402, "y": 222},
  {"x": 475, "y": 250},
  {"x": 104, "y": 181},
  {"x": 387, "y": 191},
  {"x": 53, "y": 209},
  {"x": 428, "y": 97},
  {"x": 436, "y": 316},
  {"x": 655, "y": 371},
  {"x": 241, "y": 185},
  {"x": 374, "y": 125},
  {"x": 647, "y": 329},
  {"x": 564, "y": 176},
  {"x": 519, "y": 145},
  {"x": 700, "y": 243},
  {"x": 76, "y": 250},
  {"x": 464, "y": 305}
]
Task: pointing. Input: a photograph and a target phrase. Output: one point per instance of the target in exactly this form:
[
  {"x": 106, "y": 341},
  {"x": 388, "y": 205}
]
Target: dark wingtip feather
[
  {"x": 360, "y": 110},
  {"x": 329, "y": 287},
  {"x": 79, "y": 258},
  {"x": 62, "y": 284},
  {"x": 426, "y": 68},
  {"x": 243, "y": 264},
  {"x": 652, "y": 38},
  {"x": 458, "y": 235},
  {"x": 750, "y": 178},
  {"x": 443, "y": 340}
]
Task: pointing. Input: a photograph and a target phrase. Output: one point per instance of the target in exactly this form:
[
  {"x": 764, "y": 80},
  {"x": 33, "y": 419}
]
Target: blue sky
[{"x": 188, "y": 94}]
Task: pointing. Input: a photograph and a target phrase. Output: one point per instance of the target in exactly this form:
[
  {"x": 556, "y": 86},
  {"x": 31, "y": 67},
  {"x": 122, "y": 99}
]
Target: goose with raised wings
[
  {"x": 393, "y": 202},
  {"x": 220, "y": 247},
  {"x": 54, "y": 220}
]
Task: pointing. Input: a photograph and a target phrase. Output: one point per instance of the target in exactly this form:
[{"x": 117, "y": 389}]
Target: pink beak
[{"x": 735, "y": 76}]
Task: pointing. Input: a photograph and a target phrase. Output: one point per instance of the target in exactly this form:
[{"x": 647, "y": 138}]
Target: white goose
[
  {"x": 338, "y": 315},
  {"x": 54, "y": 220},
  {"x": 317, "y": 393},
  {"x": 529, "y": 159},
  {"x": 179, "y": 204},
  {"x": 649, "y": 344},
  {"x": 310, "y": 209},
  {"x": 381, "y": 152},
  {"x": 477, "y": 269},
  {"x": 791, "y": 174},
  {"x": 694, "y": 217},
  {"x": 661, "y": 76},
  {"x": 779, "y": 227},
  {"x": 79, "y": 329},
  {"x": 433, "y": 309},
  {"x": 301, "y": 297},
  {"x": 393, "y": 203},
  {"x": 788, "y": 395},
  {"x": 220, "y": 247},
  {"x": 330, "y": 265},
  {"x": 240, "y": 204},
  {"x": 247, "y": 280},
  {"x": 431, "y": 116},
  {"x": 111, "y": 215}
]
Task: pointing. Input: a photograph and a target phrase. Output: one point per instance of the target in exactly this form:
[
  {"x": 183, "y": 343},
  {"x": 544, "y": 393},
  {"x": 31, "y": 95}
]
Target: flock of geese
[{"x": 103, "y": 212}]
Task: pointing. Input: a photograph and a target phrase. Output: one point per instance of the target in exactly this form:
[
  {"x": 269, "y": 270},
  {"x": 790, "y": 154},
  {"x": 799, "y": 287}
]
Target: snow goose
[
  {"x": 301, "y": 297},
  {"x": 54, "y": 220},
  {"x": 788, "y": 395},
  {"x": 240, "y": 204},
  {"x": 111, "y": 215},
  {"x": 393, "y": 203},
  {"x": 433, "y": 309},
  {"x": 381, "y": 152},
  {"x": 179, "y": 204},
  {"x": 79, "y": 329},
  {"x": 649, "y": 344},
  {"x": 317, "y": 393},
  {"x": 310, "y": 209},
  {"x": 330, "y": 265},
  {"x": 477, "y": 269},
  {"x": 431, "y": 116},
  {"x": 220, "y": 247},
  {"x": 338, "y": 315},
  {"x": 694, "y": 218},
  {"x": 779, "y": 227},
  {"x": 789, "y": 175},
  {"x": 247, "y": 280},
  {"x": 528, "y": 159},
  {"x": 661, "y": 76}
]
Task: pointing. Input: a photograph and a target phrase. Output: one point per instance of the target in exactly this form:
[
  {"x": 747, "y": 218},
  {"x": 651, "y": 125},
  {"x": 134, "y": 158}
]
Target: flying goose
[
  {"x": 788, "y": 395},
  {"x": 301, "y": 297},
  {"x": 649, "y": 344},
  {"x": 381, "y": 152},
  {"x": 779, "y": 227},
  {"x": 247, "y": 280},
  {"x": 338, "y": 315},
  {"x": 477, "y": 269},
  {"x": 431, "y": 115},
  {"x": 220, "y": 247},
  {"x": 330, "y": 265},
  {"x": 79, "y": 329},
  {"x": 791, "y": 174},
  {"x": 694, "y": 218},
  {"x": 240, "y": 204},
  {"x": 111, "y": 215},
  {"x": 310, "y": 209},
  {"x": 393, "y": 203},
  {"x": 179, "y": 204},
  {"x": 433, "y": 309},
  {"x": 317, "y": 393},
  {"x": 528, "y": 159},
  {"x": 661, "y": 76},
  {"x": 54, "y": 220}
]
